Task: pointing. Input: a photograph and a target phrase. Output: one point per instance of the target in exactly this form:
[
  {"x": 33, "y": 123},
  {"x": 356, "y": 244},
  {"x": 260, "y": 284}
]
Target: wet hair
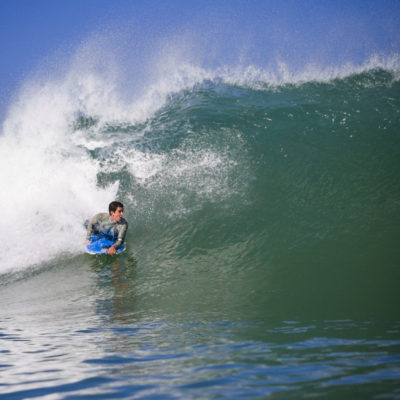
[{"x": 114, "y": 205}]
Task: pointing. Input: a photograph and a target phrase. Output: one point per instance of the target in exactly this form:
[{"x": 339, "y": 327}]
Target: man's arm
[{"x": 121, "y": 235}]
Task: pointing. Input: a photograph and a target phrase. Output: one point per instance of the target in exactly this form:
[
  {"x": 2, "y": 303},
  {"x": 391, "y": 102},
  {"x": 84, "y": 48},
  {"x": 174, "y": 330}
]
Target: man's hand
[
  {"x": 86, "y": 242},
  {"x": 111, "y": 250}
]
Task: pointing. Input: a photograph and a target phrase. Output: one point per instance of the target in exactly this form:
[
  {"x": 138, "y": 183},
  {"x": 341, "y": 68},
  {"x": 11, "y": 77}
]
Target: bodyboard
[{"x": 99, "y": 245}]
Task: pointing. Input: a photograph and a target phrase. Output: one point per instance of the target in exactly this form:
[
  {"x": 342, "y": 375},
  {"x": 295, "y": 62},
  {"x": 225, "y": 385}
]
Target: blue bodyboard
[{"x": 99, "y": 245}]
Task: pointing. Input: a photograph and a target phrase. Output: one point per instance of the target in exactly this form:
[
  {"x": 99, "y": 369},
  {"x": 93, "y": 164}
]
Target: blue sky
[{"x": 221, "y": 30}]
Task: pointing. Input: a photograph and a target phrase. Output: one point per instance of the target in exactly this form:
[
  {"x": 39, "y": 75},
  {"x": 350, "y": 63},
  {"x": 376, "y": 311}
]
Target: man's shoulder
[{"x": 101, "y": 216}]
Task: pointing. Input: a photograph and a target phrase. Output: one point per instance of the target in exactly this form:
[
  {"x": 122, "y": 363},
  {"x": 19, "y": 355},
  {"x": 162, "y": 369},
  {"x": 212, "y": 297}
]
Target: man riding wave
[{"x": 111, "y": 226}]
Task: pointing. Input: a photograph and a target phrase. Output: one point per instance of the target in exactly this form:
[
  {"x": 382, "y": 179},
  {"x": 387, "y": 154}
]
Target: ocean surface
[{"x": 263, "y": 249}]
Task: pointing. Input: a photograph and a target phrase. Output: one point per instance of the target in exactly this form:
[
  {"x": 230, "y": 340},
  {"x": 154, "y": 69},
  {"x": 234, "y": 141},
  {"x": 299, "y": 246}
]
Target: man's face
[{"x": 117, "y": 215}]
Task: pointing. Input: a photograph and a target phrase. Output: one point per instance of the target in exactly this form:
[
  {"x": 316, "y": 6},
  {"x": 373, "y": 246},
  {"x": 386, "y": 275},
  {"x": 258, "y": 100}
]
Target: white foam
[{"x": 48, "y": 183}]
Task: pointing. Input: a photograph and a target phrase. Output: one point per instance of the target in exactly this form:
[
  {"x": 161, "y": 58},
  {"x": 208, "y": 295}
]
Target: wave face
[{"x": 229, "y": 167}]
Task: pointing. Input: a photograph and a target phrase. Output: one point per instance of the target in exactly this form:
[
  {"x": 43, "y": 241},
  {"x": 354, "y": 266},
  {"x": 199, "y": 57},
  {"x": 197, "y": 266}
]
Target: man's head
[{"x": 116, "y": 210}]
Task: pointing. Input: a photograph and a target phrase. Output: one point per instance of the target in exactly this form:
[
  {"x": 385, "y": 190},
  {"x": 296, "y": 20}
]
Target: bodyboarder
[{"x": 111, "y": 226}]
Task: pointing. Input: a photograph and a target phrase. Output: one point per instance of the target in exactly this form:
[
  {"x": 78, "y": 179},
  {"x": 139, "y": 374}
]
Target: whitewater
[{"x": 262, "y": 255}]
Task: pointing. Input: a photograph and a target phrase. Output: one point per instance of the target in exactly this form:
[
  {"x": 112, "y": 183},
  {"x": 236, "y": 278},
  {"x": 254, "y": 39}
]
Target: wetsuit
[{"x": 101, "y": 225}]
